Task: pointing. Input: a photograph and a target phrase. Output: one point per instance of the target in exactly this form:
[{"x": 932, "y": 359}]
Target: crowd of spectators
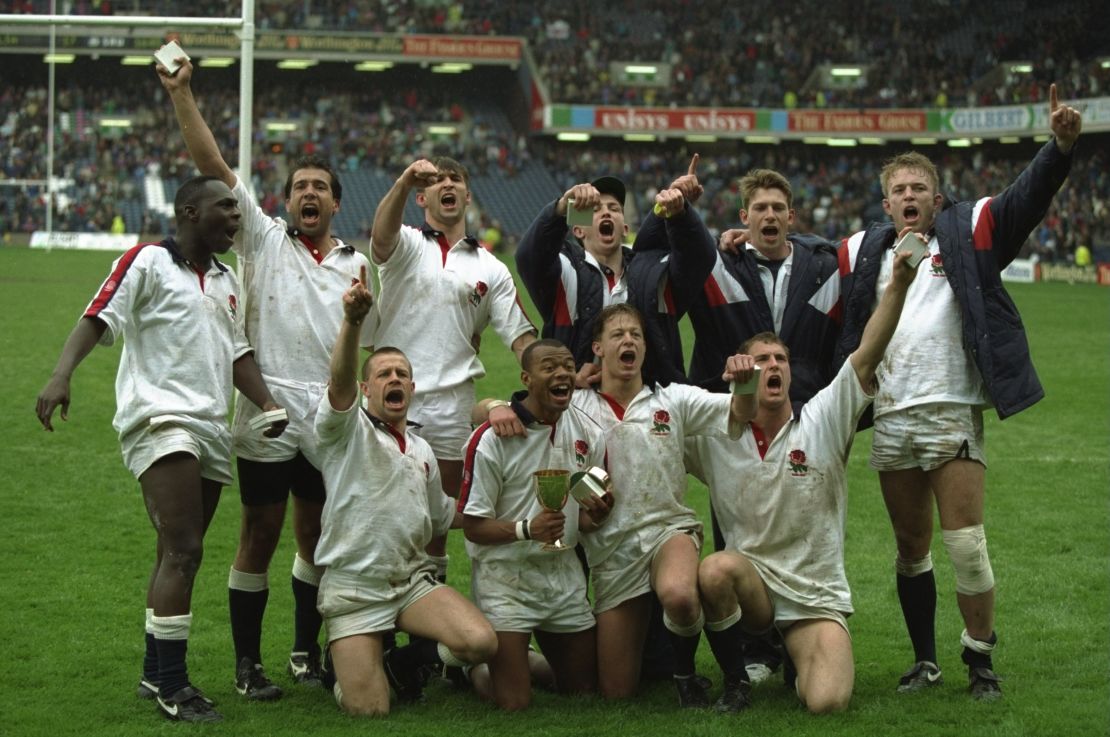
[
  {"x": 378, "y": 123},
  {"x": 757, "y": 53},
  {"x": 379, "y": 127}
]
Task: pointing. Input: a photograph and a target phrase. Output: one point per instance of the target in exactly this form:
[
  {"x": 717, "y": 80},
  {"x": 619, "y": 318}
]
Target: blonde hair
[{"x": 909, "y": 160}]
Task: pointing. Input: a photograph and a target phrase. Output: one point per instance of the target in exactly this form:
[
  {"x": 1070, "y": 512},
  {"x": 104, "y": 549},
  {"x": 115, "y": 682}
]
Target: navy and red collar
[
  {"x": 170, "y": 244},
  {"x": 438, "y": 235},
  {"x": 388, "y": 428}
]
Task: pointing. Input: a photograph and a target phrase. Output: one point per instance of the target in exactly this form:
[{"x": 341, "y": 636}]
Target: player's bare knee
[
  {"x": 361, "y": 703},
  {"x": 258, "y": 543},
  {"x": 912, "y": 541},
  {"x": 184, "y": 558},
  {"x": 827, "y": 701},
  {"x": 715, "y": 574},
  {"x": 515, "y": 701},
  {"x": 616, "y": 687},
  {"x": 481, "y": 645},
  {"x": 680, "y": 601}
]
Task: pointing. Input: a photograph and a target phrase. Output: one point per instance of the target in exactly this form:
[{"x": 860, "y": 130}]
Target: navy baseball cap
[{"x": 611, "y": 186}]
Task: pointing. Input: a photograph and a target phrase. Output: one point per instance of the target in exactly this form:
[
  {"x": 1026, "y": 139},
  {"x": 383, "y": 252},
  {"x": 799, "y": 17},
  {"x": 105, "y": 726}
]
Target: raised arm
[
  {"x": 740, "y": 368},
  {"x": 343, "y": 384},
  {"x": 693, "y": 253},
  {"x": 1017, "y": 211},
  {"x": 387, "y": 219},
  {"x": 198, "y": 137},
  {"x": 537, "y": 255},
  {"x": 880, "y": 328},
  {"x": 82, "y": 339}
]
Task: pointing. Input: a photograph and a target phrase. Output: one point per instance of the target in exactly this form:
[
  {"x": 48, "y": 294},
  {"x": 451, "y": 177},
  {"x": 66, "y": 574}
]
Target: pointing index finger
[
  {"x": 362, "y": 275},
  {"x": 1053, "y": 102},
  {"x": 693, "y": 166}
]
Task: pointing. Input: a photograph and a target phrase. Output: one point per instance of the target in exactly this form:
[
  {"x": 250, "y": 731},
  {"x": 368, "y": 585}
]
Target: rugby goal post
[{"x": 243, "y": 26}]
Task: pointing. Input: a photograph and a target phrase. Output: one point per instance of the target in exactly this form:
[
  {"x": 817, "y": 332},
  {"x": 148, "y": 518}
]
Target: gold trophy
[{"x": 551, "y": 486}]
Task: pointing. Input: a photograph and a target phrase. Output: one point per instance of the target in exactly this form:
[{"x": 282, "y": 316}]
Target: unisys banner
[{"x": 660, "y": 120}]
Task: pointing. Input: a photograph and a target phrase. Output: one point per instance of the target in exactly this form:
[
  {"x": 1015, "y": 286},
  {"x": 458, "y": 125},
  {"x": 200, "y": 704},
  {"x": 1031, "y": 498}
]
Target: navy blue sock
[
  {"x": 172, "y": 673},
  {"x": 918, "y": 597},
  {"x": 306, "y": 620},
  {"x": 247, "y": 609},
  {"x": 150, "y": 660},
  {"x": 728, "y": 648}
]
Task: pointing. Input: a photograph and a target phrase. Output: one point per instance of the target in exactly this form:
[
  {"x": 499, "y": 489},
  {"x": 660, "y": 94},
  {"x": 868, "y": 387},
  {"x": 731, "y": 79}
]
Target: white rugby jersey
[
  {"x": 781, "y": 501},
  {"x": 497, "y": 476},
  {"x": 644, "y": 446},
  {"x": 182, "y": 330},
  {"x": 385, "y": 500},
  {"x": 294, "y": 297},
  {"x": 926, "y": 360},
  {"x": 435, "y": 297},
  {"x": 775, "y": 287}
]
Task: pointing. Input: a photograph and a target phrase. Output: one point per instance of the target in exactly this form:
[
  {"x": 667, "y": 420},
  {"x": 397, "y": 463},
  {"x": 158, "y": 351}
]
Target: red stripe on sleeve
[
  {"x": 562, "y": 309},
  {"x": 984, "y": 229},
  {"x": 713, "y": 293},
  {"x": 468, "y": 464},
  {"x": 522, "y": 310},
  {"x": 843, "y": 258},
  {"x": 111, "y": 284}
]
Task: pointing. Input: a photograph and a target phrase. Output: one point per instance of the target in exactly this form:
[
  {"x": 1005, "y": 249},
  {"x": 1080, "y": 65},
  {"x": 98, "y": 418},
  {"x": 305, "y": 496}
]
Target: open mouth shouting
[
  {"x": 910, "y": 214},
  {"x": 449, "y": 200},
  {"x": 310, "y": 214},
  {"x": 560, "y": 392},
  {"x": 770, "y": 232},
  {"x": 774, "y": 383},
  {"x": 394, "y": 399},
  {"x": 628, "y": 358},
  {"x": 231, "y": 231}
]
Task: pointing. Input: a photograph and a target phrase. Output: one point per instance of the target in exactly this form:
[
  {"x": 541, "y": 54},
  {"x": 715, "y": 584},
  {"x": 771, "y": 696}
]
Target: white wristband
[
  {"x": 520, "y": 524},
  {"x": 497, "y": 403}
]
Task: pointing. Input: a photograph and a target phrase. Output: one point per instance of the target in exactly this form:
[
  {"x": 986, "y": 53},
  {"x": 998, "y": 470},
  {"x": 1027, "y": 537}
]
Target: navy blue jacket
[
  {"x": 733, "y": 307},
  {"x": 663, "y": 273},
  {"x": 562, "y": 287},
  {"x": 973, "y": 263}
]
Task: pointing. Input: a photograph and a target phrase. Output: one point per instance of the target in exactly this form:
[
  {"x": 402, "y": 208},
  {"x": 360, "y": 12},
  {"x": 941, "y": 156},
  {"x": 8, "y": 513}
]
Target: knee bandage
[
  {"x": 912, "y": 568},
  {"x": 967, "y": 547},
  {"x": 685, "y": 630}
]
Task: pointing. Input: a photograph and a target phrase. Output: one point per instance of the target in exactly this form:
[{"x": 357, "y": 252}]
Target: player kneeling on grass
[
  {"x": 520, "y": 579},
  {"x": 177, "y": 308},
  {"x": 384, "y": 503},
  {"x": 780, "y": 493}
]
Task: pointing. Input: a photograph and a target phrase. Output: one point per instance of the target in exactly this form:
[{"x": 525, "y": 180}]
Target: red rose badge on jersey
[
  {"x": 797, "y": 463},
  {"x": 232, "y": 305},
  {"x": 581, "y": 449},
  {"x": 661, "y": 422},
  {"x": 936, "y": 264},
  {"x": 480, "y": 290}
]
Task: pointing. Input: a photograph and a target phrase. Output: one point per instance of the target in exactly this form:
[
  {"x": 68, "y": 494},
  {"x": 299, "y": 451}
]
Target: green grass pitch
[{"x": 78, "y": 546}]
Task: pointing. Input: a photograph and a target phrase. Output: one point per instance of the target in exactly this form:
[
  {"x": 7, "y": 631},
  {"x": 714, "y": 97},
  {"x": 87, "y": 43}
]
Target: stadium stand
[{"x": 373, "y": 126}]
